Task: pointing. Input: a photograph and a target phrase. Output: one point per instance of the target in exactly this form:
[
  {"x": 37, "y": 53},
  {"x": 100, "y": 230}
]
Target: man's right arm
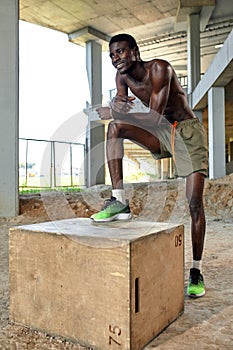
[{"x": 120, "y": 104}]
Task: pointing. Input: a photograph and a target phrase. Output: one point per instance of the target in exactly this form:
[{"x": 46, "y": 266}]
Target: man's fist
[
  {"x": 104, "y": 113},
  {"x": 122, "y": 104}
]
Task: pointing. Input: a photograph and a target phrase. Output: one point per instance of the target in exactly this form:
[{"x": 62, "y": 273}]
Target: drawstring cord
[{"x": 173, "y": 134}]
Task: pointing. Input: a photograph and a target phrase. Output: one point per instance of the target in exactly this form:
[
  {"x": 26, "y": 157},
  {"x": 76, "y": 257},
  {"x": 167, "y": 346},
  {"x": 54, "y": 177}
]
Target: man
[{"x": 169, "y": 128}]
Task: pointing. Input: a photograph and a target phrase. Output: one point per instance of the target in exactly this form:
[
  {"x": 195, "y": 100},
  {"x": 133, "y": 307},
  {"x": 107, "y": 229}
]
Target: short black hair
[{"x": 124, "y": 37}]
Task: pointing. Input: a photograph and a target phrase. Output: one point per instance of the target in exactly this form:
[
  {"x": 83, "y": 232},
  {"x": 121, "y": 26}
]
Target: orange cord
[{"x": 173, "y": 134}]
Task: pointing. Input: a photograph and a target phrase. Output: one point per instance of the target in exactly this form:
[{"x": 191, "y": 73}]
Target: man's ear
[{"x": 136, "y": 54}]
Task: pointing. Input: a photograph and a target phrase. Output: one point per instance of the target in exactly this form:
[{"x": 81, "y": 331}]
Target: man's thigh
[{"x": 138, "y": 135}]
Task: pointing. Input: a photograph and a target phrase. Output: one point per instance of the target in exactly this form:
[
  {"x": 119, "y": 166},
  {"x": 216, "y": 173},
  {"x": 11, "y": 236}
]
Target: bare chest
[{"x": 142, "y": 90}]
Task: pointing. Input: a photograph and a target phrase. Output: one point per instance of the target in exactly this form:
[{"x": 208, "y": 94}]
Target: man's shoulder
[
  {"x": 157, "y": 62},
  {"x": 159, "y": 66}
]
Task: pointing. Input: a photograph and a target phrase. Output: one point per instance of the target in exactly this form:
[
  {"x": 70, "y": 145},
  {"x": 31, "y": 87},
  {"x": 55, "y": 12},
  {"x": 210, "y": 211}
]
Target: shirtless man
[{"x": 169, "y": 128}]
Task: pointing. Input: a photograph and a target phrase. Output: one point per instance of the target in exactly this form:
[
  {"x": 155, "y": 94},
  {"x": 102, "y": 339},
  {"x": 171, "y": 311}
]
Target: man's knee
[
  {"x": 114, "y": 129},
  {"x": 195, "y": 207}
]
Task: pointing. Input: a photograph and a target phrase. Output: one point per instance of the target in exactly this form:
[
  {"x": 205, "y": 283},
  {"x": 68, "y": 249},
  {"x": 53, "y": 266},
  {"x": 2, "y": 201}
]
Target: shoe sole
[
  {"x": 194, "y": 296},
  {"x": 117, "y": 217}
]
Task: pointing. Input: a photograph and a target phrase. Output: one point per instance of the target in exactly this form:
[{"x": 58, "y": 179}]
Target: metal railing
[
  {"x": 50, "y": 164},
  {"x": 182, "y": 79}
]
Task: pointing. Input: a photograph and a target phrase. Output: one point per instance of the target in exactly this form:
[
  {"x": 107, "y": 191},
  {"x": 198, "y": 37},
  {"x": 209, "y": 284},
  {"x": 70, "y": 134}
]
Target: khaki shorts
[{"x": 186, "y": 144}]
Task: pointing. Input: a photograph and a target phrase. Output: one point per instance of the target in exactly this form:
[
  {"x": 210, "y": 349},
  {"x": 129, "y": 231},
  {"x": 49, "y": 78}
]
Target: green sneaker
[
  {"x": 196, "y": 287},
  {"x": 112, "y": 210}
]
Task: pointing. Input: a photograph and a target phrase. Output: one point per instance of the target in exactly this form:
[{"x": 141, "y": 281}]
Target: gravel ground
[{"x": 207, "y": 323}]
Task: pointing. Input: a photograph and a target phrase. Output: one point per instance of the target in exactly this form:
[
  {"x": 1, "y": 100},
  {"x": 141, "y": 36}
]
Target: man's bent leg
[
  {"x": 117, "y": 208},
  {"x": 117, "y": 132},
  {"x": 115, "y": 154},
  {"x": 194, "y": 193}
]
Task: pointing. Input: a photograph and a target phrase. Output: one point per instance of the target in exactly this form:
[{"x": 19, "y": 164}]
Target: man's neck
[{"x": 138, "y": 72}]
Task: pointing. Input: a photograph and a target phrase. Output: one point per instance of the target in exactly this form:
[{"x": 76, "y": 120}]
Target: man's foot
[
  {"x": 113, "y": 210},
  {"x": 196, "y": 287}
]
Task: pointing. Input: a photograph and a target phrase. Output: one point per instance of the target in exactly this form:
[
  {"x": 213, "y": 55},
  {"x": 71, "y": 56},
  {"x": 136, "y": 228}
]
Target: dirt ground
[{"x": 207, "y": 323}]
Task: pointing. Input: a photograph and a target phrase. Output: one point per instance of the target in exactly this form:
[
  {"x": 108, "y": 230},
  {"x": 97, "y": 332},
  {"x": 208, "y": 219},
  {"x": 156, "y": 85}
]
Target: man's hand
[
  {"x": 122, "y": 104},
  {"x": 104, "y": 113}
]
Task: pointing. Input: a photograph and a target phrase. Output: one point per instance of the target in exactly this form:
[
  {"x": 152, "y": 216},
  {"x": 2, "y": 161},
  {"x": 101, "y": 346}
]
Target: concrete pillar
[
  {"x": 95, "y": 154},
  {"x": 95, "y": 129},
  {"x": 193, "y": 48},
  {"x": 198, "y": 114},
  {"x": 9, "y": 111},
  {"x": 94, "y": 71},
  {"x": 216, "y": 125}
]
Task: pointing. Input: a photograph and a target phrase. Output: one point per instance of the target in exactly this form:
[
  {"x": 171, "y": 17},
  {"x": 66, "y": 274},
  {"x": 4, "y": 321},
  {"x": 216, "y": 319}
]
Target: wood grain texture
[{"x": 79, "y": 282}]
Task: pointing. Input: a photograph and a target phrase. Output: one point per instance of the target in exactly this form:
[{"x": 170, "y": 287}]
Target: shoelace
[
  {"x": 108, "y": 202},
  {"x": 195, "y": 278}
]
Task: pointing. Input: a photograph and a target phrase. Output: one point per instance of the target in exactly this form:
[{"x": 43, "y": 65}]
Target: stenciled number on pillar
[
  {"x": 115, "y": 333},
  {"x": 178, "y": 240}
]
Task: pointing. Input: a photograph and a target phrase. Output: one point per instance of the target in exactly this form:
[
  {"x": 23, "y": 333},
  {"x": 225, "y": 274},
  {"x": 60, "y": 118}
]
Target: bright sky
[{"x": 53, "y": 82}]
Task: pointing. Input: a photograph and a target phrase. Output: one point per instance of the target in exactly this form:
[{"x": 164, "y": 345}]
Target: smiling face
[{"x": 123, "y": 58}]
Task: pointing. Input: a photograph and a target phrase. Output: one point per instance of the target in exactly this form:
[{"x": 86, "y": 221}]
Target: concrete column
[
  {"x": 198, "y": 114},
  {"x": 95, "y": 154},
  {"x": 193, "y": 48},
  {"x": 94, "y": 71},
  {"x": 9, "y": 111},
  {"x": 95, "y": 129},
  {"x": 216, "y": 125}
]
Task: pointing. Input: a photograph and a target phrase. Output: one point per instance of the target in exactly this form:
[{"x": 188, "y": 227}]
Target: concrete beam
[
  {"x": 205, "y": 15},
  {"x": 188, "y": 7},
  {"x": 86, "y": 34},
  {"x": 219, "y": 73}
]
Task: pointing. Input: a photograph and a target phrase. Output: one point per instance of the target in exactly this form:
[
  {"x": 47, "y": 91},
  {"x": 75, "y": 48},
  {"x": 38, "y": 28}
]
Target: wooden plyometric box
[{"x": 108, "y": 286}]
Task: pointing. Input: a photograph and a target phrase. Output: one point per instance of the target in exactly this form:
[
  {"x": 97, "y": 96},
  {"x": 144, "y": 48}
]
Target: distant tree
[{"x": 30, "y": 165}]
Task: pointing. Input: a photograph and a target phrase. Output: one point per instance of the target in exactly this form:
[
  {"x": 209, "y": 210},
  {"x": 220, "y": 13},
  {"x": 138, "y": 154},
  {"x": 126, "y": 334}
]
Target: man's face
[{"x": 122, "y": 56}]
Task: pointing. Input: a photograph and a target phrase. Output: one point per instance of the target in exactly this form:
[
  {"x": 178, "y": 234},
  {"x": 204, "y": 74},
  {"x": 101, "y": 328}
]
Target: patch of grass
[{"x": 35, "y": 190}]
